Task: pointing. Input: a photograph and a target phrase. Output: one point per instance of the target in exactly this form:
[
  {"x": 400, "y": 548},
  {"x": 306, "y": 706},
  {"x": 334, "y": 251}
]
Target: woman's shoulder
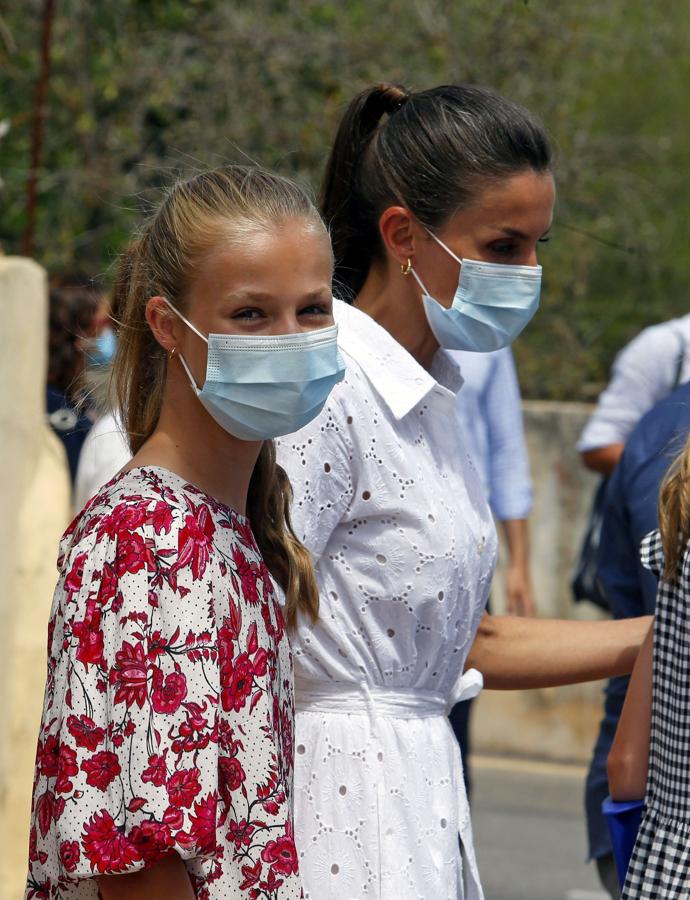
[
  {"x": 652, "y": 558},
  {"x": 652, "y": 552},
  {"x": 153, "y": 505}
]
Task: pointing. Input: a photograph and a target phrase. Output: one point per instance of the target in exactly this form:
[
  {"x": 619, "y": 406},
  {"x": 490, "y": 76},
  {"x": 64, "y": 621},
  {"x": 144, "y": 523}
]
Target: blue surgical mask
[
  {"x": 101, "y": 350},
  {"x": 493, "y": 302},
  {"x": 259, "y": 387}
]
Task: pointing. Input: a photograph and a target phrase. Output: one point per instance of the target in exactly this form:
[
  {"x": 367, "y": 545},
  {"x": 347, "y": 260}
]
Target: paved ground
[{"x": 529, "y": 832}]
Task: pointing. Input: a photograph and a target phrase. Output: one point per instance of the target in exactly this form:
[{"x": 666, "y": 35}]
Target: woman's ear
[
  {"x": 164, "y": 324},
  {"x": 399, "y": 232}
]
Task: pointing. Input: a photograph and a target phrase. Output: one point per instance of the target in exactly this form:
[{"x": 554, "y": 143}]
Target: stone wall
[
  {"x": 34, "y": 486},
  {"x": 558, "y": 723}
]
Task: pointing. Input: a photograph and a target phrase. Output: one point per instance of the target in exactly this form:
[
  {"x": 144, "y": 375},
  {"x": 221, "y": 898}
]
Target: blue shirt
[
  {"x": 631, "y": 512},
  {"x": 490, "y": 411}
]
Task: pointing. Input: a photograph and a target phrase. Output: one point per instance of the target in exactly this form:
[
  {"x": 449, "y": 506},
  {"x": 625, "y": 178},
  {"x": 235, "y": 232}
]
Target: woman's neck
[
  {"x": 189, "y": 442},
  {"x": 393, "y": 300}
]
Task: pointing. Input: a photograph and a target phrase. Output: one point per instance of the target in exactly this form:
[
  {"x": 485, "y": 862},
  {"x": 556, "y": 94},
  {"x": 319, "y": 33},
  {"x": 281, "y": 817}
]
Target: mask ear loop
[
  {"x": 419, "y": 281},
  {"x": 447, "y": 249},
  {"x": 409, "y": 269},
  {"x": 195, "y": 387},
  {"x": 185, "y": 320}
]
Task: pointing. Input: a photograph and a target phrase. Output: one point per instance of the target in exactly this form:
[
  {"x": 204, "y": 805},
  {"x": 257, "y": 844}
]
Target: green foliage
[{"x": 142, "y": 90}]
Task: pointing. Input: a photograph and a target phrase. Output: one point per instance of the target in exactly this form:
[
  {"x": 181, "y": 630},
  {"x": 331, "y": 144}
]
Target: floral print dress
[{"x": 168, "y": 715}]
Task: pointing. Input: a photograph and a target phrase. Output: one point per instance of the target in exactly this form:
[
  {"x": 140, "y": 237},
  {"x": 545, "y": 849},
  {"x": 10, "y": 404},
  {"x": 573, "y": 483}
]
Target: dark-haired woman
[{"x": 436, "y": 202}]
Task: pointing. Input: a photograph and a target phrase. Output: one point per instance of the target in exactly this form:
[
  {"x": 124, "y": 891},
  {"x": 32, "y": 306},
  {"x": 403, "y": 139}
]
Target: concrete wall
[
  {"x": 559, "y": 723},
  {"x": 34, "y": 487}
]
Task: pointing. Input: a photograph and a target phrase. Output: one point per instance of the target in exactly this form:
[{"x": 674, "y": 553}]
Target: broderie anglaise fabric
[
  {"x": 393, "y": 511},
  {"x": 168, "y": 715}
]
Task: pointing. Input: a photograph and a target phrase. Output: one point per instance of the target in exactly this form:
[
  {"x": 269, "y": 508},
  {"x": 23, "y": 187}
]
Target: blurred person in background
[
  {"x": 490, "y": 410},
  {"x": 79, "y": 336},
  {"x": 645, "y": 371},
  {"x": 630, "y": 513},
  {"x": 104, "y": 452},
  {"x": 106, "y": 447}
]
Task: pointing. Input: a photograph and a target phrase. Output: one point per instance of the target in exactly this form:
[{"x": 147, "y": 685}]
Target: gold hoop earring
[
  {"x": 406, "y": 269},
  {"x": 172, "y": 352}
]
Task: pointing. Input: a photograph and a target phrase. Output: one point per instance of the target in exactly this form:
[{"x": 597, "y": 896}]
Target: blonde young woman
[
  {"x": 436, "y": 202},
  {"x": 165, "y": 754}
]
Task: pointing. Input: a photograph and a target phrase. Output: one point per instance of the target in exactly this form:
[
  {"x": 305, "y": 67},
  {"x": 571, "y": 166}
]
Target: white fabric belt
[
  {"x": 363, "y": 699},
  {"x": 378, "y": 703}
]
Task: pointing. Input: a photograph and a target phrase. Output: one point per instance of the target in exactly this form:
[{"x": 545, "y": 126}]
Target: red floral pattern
[{"x": 168, "y": 716}]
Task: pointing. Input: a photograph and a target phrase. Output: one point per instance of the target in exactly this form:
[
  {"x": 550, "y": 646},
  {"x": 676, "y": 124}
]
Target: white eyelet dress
[{"x": 394, "y": 514}]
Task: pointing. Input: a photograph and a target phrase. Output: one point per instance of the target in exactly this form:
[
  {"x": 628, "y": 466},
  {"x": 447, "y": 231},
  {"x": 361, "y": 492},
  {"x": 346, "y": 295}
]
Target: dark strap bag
[{"x": 584, "y": 583}]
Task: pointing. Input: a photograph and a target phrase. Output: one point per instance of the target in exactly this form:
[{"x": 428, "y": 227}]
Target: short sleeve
[
  {"x": 127, "y": 758},
  {"x": 643, "y": 373},
  {"x": 319, "y": 462},
  {"x": 652, "y": 553}
]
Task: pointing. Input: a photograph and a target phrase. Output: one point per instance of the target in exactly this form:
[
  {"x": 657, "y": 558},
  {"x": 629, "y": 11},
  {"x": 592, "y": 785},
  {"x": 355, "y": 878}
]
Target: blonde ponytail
[
  {"x": 674, "y": 514},
  {"x": 268, "y": 508}
]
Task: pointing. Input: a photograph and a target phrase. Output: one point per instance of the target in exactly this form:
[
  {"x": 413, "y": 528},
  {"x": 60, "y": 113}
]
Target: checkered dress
[{"x": 660, "y": 864}]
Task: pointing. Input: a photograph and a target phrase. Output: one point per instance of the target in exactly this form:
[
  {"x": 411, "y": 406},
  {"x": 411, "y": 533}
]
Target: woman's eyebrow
[
  {"x": 243, "y": 296},
  {"x": 261, "y": 297},
  {"x": 513, "y": 232},
  {"x": 516, "y": 233}
]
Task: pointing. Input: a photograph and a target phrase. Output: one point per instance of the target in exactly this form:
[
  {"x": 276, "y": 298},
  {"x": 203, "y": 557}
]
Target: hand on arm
[
  {"x": 165, "y": 880},
  {"x": 628, "y": 760},
  {"x": 518, "y": 584},
  {"x": 516, "y": 653}
]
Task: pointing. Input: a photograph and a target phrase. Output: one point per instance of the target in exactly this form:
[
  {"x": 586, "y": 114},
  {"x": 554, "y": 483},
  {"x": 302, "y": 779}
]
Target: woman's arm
[
  {"x": 517, "y": 653},
  {"x": 519, "y": 599},
  {"x": 165, "y": 880},
  {"x": 629, "y": 757},
  {"x": 603, "y": 459}
]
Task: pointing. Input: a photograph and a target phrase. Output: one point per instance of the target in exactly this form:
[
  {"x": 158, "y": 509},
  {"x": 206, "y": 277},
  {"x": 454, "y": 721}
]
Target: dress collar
[{"x": 394, "y": 373}]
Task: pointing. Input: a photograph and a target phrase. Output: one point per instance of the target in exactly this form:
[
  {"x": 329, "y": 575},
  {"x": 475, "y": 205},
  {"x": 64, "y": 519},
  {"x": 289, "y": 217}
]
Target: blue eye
[
  {"x": 315, "y": 309},
  {"x": 247, "y": 314}
]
